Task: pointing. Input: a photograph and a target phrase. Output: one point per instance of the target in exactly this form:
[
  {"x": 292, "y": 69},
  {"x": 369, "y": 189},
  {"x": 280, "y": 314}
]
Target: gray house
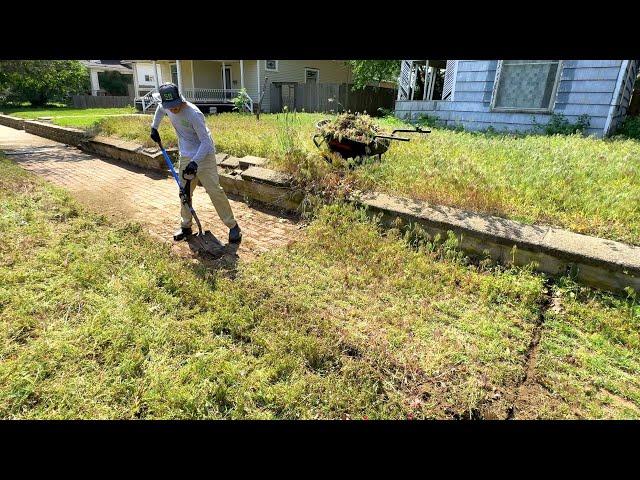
[{"x": 514, "y": 95}]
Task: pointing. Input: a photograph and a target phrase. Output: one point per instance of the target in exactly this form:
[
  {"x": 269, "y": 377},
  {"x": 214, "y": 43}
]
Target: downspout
[
  {"x": 614, "y": 98},
  {"x": 258, "y": 71}
]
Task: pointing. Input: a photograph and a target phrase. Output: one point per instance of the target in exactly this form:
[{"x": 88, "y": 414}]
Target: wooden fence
[
  {"x": 90, "y": 101},
  {"x": 327, "y": 97}
]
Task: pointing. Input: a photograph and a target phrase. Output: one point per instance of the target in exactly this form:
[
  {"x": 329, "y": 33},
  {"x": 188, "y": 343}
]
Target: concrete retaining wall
[
  {"x": 128, "y": 152},
  {"x": 597, "y": 262},
  {"x": 67, "y": 135},
  {"x": 13, "y": 122}
]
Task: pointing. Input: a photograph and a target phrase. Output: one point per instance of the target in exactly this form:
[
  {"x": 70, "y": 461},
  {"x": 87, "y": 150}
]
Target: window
[
  {"x": 311, "y": 75},
  {"x": 148, "y": 78},
  {"x": 527, "y": 85},
  {"x": 271, "y": 65}
]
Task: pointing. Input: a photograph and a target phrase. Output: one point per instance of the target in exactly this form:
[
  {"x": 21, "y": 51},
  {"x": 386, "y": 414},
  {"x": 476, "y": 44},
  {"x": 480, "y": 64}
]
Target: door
[
  {"x": 288, "y": 96},
  {"x": 227, "y": 82},
  {"x": 174, "y": 73},
  {"x": 311, "y": 89}
]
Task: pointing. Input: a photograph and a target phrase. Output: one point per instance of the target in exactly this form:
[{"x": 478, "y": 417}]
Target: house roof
[{"x": 107, "y": 65}]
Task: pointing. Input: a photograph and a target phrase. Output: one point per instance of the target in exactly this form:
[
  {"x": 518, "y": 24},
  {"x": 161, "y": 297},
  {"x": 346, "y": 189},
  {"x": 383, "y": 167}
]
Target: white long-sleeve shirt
[{"x": 194, "y": 137}]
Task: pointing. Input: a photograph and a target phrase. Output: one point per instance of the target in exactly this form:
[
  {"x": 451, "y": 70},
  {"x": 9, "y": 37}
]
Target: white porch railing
[
  {"x": 199, "y": 95},
  {"x": 149, "y": 100},
  {"x": 210, "y": 94}
]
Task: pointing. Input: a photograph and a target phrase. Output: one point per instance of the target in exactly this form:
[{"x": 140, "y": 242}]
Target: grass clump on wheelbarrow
[{"x": 357, "y": 127}]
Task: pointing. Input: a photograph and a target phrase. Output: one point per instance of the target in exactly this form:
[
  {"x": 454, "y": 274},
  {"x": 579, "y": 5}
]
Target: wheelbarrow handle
[
  {"x": 390, "y": 137},
  {"x": 417, "y": 130},
  {"x": 314, "y": 139}
]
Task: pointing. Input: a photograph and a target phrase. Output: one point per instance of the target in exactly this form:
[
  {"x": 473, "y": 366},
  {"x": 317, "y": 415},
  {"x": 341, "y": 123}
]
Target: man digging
[{"x": 197, "y": 157}]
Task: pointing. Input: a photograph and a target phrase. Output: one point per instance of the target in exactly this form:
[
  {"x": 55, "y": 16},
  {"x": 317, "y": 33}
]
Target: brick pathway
[{"x": 126, "y": 192}]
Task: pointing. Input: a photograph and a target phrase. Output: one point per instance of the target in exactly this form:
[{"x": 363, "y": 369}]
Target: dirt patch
[
  {"x": 620, "y": 403},
  {"x": 104, "y": 203}
]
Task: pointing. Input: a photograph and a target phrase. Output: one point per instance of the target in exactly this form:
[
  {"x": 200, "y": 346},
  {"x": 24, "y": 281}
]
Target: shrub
[
  {"x": 559, "y": 124},
  {"x": 426, "y": 120},
  {"x": 384, "y": 112},
  {"x": 240, "y": 100},
  {"x": 630, "y": 128}
]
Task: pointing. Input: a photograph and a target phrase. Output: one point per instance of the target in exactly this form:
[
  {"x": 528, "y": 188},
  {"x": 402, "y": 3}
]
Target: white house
[
  {"x": 215, "y": 83},
  {"x": 99, "y": 66}
]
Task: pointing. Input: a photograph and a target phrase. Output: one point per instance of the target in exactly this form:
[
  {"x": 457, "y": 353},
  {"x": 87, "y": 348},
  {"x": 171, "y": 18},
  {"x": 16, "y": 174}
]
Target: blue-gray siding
[{"x": 585, "y": 87}]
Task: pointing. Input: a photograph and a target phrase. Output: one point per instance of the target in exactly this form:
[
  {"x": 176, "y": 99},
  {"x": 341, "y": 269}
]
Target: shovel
[{"x": 201, "y": 241}]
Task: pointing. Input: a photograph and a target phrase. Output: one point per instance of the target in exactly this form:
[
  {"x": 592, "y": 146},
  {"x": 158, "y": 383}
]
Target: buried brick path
[{"x": 124, "y": 192}]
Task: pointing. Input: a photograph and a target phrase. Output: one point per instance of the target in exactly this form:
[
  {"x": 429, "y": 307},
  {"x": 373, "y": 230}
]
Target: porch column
[
  {"x": 224, "y": 81},
  {"x": 179, "y": 76},
  {"x": 412, "y": 78},
  {"x": 426, "y": 83},
  {"x": 136, "y": 83},
  {"x": 241, "y": 74},
  {"x": 432, "y": 82},
  {"x": 193, "y": 82},
  {"x": 95, "y": 83},
  {"x": 155, "y": 71}
]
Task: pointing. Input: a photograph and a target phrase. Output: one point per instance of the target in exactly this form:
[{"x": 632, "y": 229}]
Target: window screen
[
  {"x": 148, "y": 78},
  {"x": 272, "y": 64},
  {"x": 526, "y": 84}
]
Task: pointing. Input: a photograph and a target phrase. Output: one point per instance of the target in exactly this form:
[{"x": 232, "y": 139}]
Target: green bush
[
  {"x": 630, "y": 128},
  {"x": 429, "y": 121},
  {"x": 240, "y": 100},
  {"x": 559, "y": 124}
]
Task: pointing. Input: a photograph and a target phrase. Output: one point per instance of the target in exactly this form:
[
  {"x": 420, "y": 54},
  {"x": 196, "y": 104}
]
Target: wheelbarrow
[{"x": 349, "y": 148}]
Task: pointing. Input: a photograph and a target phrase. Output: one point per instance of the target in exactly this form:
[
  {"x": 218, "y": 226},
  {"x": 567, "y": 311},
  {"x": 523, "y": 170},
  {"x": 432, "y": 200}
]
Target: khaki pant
[{"x": 207, "y": 176}]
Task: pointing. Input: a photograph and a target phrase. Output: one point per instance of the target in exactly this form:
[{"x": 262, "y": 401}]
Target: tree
[
  {"x": 114, "y": 83},
  {"x": 366, "y": 72},
  {"x": 41, "y": 81}
]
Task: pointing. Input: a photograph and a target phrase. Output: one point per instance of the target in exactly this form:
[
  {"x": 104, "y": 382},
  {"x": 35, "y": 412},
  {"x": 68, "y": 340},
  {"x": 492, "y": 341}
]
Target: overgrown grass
[
  {"x": 587, "y": 185},
  {"x": 98, "y": 321},
  {"x": 67, "y": 116}
]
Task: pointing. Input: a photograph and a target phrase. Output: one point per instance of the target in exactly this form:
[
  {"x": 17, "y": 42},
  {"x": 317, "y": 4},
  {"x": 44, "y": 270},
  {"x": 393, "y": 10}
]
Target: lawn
[
  {"x": 99, "y": 321},
  {"x": 587, "y": 185},
  {"x": 67, "y": 116}
]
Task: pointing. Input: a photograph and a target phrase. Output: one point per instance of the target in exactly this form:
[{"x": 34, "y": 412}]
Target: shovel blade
[{"x": 205, "y": 243}]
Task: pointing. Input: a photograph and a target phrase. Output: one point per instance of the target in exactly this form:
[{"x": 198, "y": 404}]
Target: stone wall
[
  {"x": 596, "y": 262},
  {"x": 13, "y": 122},
  {"x": 128, "y": 152},
  {"x": 67, "y": 135}
]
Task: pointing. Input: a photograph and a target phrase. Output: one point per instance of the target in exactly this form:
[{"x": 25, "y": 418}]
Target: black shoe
[
  {"x": 235, "y": 234},
  {"x": 181, "y": 234}
]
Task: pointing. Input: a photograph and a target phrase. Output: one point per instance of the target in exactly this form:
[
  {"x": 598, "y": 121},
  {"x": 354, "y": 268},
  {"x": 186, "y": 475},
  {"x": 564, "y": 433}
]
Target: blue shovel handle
[{"x": 183, "y": 193}]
